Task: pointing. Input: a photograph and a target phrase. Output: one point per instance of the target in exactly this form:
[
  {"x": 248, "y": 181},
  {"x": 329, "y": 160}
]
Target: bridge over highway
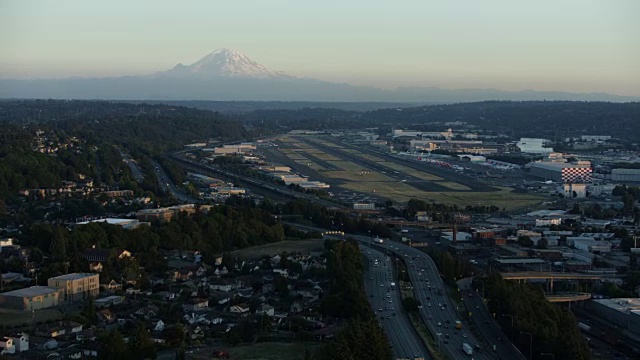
[
  {"x": 526, "y": 275},
  {"x": 569, "y": 297}
]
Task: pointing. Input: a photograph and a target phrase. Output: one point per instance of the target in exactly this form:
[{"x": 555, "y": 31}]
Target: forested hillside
[{"x": 549, "y": 119}]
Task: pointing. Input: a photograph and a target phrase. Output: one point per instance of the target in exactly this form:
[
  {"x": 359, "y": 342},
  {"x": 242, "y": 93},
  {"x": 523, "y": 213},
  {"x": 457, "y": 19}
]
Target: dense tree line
[
  {"x": 21, "y": 167},
  {"x": 550, "y": 119},
  {"x": 553, "y": 328},
  {"x": 223, "y": 228},
  {"x": 326, "y": 218},
  {"x": 362, "y": 337}
]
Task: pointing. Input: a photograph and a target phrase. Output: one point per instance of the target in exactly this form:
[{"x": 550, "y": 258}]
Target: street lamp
[
  {"x": 511, "y": 317},
  {"x": 482, "y": 281},
  {"x": 553, "y": 357},
  {"x": 530, "y": 342}
]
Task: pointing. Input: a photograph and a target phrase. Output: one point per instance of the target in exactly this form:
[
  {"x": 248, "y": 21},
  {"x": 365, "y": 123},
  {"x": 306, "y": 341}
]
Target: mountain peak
[{"x": 225, "y": 63}]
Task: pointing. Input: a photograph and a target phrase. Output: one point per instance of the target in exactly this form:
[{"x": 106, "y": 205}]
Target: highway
[
  {"x": 135, "y": 170},
  {"x": 438, "y": 311},
  {"x": 250, "y": 182},
  {"x": 485, "y": 323},
  {"x": 387, "y": 304},
  {"x": 168, "y": 186}
]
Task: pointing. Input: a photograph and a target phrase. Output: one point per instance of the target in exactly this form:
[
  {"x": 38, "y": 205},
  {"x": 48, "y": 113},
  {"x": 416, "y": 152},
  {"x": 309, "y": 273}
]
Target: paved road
[
  {"x": 429, "y": 289},
  {"x": 244, "y": 180},
  {"x": 168, "y": 186},
  {"x": 438, "y": 311},
  {"x": 386, "y": 302},
  {"x": 486, "y": 324},
  {"x": 135, "y": 170}
]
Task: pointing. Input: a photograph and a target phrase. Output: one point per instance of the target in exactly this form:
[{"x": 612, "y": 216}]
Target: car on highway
[{"x": 439, "y": 323}]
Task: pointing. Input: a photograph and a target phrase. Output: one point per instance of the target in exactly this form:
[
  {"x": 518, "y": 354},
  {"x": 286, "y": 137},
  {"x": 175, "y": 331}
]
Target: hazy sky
[{"x": 572, "y": 45}]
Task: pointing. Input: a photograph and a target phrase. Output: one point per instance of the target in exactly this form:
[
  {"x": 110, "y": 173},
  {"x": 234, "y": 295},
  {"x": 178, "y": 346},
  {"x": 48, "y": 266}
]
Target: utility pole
[{"x": 530, "y": 343}]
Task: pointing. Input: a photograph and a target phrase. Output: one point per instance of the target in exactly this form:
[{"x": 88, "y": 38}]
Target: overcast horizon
[{"x": 576, "y": 46}]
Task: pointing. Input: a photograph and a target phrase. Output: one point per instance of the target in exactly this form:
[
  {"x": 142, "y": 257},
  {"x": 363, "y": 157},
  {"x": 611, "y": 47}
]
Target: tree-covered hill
[
  {"x": 155, "y": 128},
  {"x": 549, "y": 119}
]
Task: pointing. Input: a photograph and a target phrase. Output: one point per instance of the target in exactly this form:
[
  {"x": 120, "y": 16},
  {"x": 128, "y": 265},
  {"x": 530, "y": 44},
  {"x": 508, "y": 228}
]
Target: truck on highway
[
  {"x": 458, "y": 324},
  {"x": 393, "y": 284},
  {"x": 378, "y": 240},
  {"x": 468, "y": 349},
  {"x": 584, "y": 327}
]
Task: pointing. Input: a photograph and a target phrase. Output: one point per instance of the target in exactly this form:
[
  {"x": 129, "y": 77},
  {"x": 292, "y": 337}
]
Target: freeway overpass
[
  {"x": 527, "y": 275},
  {"x": 569, "y": 297}
]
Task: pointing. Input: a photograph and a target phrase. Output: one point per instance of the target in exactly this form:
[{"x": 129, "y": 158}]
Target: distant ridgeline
[{"x": 545, "y": 119}]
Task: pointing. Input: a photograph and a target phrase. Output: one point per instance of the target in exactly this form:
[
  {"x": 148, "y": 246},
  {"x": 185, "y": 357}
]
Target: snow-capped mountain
[
  {"x": 224, "y": 63},
  {"x": 229, "y": 75}
]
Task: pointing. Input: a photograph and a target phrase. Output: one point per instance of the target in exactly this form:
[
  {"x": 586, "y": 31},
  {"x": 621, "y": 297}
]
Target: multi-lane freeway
[
  {"x": 484, "y": 321},
  {"x": 437, "y": 310},
  {"x": 386, "y": 302}
]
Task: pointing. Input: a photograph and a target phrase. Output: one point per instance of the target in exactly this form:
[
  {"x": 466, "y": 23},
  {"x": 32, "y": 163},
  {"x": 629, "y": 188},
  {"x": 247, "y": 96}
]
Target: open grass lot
[
  {"x": 279, "y": 247},
  {"x": 434, "y": 188},
  {"x": 322, "y": 156},
  {"x": 454, "y": 186},
  {"x": 273, "y": 351},
  {"x": 419, "y": 174},
  {"x": 348, "y": 165},
  {"x": 310, "y": 164},
  {"x": 401, "y": 192},
  {"x": 370, "y": 157},
  {"x": 10, "y": 317},
  {"x": 356, "y": 175}
]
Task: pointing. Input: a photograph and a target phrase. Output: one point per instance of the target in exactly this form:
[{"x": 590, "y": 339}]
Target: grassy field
[
  {"x": 9, "y": 317},
  {"x": 447, "y": 191},
  {"x": 453, "y": 185},
  {"x": 503, "y": 198},
  {"x": 279, "y": 247},
  {"x": 348, "y": 165},
  {"x": 359, "y": 176}
]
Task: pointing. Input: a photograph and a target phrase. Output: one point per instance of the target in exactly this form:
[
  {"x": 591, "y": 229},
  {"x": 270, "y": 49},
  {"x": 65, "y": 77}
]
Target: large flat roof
[
  {"x": 31, "y": 291},
  {"x": 520, "y": 261},
  {"x": 73, "y": 276},
  {"x": 623, "y": 305}
]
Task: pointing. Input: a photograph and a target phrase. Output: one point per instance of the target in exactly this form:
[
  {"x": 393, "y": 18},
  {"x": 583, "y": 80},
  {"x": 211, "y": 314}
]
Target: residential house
[
  {"x": 20, "y": 341},
  {"x": 196, "y": 304},
  {"x": 166, "y": 295},
  {"x": 102, "y": 255},
  {"x": 59, "y": 329},
  {"x": 106, "y": 316},
  {"x": 147, "y": 311},
  {"x": 95, "y": 267},
  {"x": 283, "y": 272},
  {"x": 159, "y": 326},
  {"x": 7, "y": 346},
  {"x": 111, "y": 286},
  {"x": 265, "y": 309},
  {"x": 220, "y": 271},
  {"x": 295, "y": 308},
  {"x": 222, "y": 285},
  {"x": 239, "y": 309}
]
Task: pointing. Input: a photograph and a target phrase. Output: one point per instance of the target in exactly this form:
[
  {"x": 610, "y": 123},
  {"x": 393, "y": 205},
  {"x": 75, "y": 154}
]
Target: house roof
[{"x": 31, "y": 291}]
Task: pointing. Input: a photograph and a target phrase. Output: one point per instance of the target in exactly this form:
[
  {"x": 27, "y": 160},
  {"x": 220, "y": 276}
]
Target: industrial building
[
  {"x": 575, "y": 173},
  {"x": 364, "y": 206},
  {"x": 76, "y": 286},
  {"x": 425, "y": 134},
  {"x": 625, "y": 175},
  {"x": 167, "y": 213},
  {"x": 533, "y": 146},
  {"x": 31, "y": 298},
  {"x": 624, "y": 312}
]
